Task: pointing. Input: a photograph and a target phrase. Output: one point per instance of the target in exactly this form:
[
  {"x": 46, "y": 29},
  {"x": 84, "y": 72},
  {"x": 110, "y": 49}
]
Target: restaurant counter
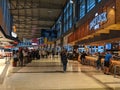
[
  {"x": 94, "y": 59},
  {"x": 114, "y": 64}
]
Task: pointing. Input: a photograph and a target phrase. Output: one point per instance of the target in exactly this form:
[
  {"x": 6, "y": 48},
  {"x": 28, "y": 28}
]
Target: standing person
[
  {"x": 75, "y": 55},
  {"x": 15, "y": 58},
  {"x": 21, "y": 57},
  {"x": 98, "y": 62},
  {"x": 82, "y": 57},
  {"x": 64, "y": 59},
  {"x": 53, "y": 53},
  {"x": 108, "y": 57},
  {"x": 25, "y": 54}
]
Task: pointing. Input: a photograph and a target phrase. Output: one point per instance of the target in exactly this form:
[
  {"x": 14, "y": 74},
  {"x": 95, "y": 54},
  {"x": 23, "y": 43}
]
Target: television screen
[
  {"x": 108, "y": 46},
  {"x": 49, "y": 34}
]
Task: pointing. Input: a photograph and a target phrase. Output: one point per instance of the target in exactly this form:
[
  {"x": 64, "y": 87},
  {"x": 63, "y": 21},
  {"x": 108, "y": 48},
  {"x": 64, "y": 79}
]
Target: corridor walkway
[{"x": 46, "y": 74}]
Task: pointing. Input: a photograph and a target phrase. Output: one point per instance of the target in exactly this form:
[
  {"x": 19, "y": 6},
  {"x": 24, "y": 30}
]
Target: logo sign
[{"x": 95, "y": 23}]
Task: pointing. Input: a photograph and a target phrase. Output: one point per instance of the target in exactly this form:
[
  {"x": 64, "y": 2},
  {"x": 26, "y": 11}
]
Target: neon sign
[{"x": 95, "y": 23}]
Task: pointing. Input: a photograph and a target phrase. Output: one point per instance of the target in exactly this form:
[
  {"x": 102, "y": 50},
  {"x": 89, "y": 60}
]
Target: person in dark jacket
[
  {"x": 64, "y": 59},
  {"x": 98, "y": 62},
  {"x": 83, "y": 57},
  {"x": 21, "y": 57},
  {"x": 107, "y": 61}
]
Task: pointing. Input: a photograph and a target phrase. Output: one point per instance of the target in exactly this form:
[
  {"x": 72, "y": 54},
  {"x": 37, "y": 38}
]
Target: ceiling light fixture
[
  {"x": 71, "y": 1},
  {"x": 50, "y": 11}
]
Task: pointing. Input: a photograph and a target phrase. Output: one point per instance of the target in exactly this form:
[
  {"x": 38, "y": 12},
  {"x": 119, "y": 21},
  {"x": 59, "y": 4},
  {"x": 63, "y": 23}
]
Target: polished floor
[{"x": 47, "y": 74}]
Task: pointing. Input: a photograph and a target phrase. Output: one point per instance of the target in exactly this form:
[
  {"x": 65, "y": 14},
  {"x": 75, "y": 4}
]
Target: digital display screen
[
  {"x": 49, "y": 34},
  {"x": 108, "y": 46}
]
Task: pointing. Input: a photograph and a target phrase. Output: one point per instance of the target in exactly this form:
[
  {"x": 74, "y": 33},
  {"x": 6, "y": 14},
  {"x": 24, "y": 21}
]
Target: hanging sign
[{"x": 95, "y": 23}]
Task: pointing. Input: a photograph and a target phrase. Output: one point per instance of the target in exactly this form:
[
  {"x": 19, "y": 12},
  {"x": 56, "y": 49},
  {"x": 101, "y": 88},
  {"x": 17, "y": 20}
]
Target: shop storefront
[
  {"x": 100, "y": 26},
  {"x": 100, "y": 31}
]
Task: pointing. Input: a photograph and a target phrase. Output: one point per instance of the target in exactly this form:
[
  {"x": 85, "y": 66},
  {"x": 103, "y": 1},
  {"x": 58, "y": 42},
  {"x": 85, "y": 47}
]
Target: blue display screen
[
  {"x": 49, "y": 34},
  {"x": 108, "y": 46}
]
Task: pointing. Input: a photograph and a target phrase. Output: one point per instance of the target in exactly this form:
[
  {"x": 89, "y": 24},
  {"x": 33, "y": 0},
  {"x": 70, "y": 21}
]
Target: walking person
[
  {"x": 53, "y": 53},
  {"x": 83, "y": 57},
  {"x": 108, "y": 57},
  {"x": 98, "y": 62},
  {"x": 21, "y": 57},
  {"x": 64, "y": 59},
  {"x": 15, "y": 58}
]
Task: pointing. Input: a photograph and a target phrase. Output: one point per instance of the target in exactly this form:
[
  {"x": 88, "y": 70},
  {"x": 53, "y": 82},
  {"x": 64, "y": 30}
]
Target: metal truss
[{"x": 39, "y": 13}]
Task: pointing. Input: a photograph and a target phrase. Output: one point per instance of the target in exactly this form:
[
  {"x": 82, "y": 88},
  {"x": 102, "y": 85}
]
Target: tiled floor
[
  {"x": 46, "y": 74},
  {"x": 2, "y": 65}
]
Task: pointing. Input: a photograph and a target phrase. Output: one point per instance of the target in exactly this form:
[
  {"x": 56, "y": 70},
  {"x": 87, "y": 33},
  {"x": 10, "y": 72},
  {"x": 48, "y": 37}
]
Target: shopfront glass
[
  {"x": 90, "y": 4},
  {"x": 82, "y": 9},
  {"x": 99, "y": 0},
  {"x": 68, "y": 17}
]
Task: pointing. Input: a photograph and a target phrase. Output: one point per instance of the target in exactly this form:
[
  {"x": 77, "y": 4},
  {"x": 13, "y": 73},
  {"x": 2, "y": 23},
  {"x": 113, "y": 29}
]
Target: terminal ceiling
[{"x": 30, "y": 16}]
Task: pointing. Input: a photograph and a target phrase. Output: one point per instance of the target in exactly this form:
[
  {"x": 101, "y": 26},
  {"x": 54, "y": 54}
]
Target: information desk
[
  {"x": 91, "y": 60},
  {"x": 114, "y": 65}
]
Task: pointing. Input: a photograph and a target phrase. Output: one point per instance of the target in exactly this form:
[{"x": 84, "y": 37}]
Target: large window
[
  {"x": 6, "y": 23},
  {"x": 99, "y": 0},
  {"x": 90, "y": 4},
  {"x": 68, "y": 17},
  {"x": 59, "y": 26},
  {"x": 82, "y": 8}
]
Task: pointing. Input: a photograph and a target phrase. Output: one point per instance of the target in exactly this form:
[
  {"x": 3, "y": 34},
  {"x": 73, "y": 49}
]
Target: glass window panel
[
  {"x": 82, "y": 8},
  {"x": 70, "y": 9},
  {"x": 67, "y": 15},
  {"x": 6, "y": 15},
  {"x": 99, "y": 0},
  {"x": 71, "y": 22},
  {"x": 90, "y": 4}
]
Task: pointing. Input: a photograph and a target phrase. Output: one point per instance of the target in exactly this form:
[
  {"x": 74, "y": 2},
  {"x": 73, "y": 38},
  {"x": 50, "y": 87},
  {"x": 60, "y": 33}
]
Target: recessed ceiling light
[
  {"x": 50, "y": 11},
  {"x": 96, "y": 14}
]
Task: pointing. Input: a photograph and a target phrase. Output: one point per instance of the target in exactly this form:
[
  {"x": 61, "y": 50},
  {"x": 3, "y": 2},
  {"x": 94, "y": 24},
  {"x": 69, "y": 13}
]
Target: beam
[
  {"x": 41, "y": 5},
  {"x": 11, "y": 4},
  {"x": 34, "y": 17},
  {"x": 19, "y": 32},
  {"x": 20, "y": 21},
  {"x": 28, "y": 33},
  {"x": 38, "y": 25},
  {"x": 31, "y": 35},
  {"x": 38, "y": 28}
]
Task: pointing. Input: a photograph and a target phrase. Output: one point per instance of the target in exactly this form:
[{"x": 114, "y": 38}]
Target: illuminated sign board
[{"x": 95, "y": 23}]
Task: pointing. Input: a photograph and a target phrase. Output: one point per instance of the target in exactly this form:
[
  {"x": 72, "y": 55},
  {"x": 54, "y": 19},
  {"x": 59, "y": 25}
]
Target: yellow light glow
[{"x": 14, "y": 28}]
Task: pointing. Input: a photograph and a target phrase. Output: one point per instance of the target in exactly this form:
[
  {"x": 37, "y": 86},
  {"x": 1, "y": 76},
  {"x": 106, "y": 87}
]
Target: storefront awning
[{"x": 104, "y": 35}]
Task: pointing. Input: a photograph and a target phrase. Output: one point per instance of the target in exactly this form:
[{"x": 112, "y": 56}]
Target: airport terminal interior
[{"x": 59, "y": 44}]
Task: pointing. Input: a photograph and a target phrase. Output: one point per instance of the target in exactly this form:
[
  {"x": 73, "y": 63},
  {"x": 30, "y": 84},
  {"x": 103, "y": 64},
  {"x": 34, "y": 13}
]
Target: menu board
[{"x": 108, "y": 46}]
